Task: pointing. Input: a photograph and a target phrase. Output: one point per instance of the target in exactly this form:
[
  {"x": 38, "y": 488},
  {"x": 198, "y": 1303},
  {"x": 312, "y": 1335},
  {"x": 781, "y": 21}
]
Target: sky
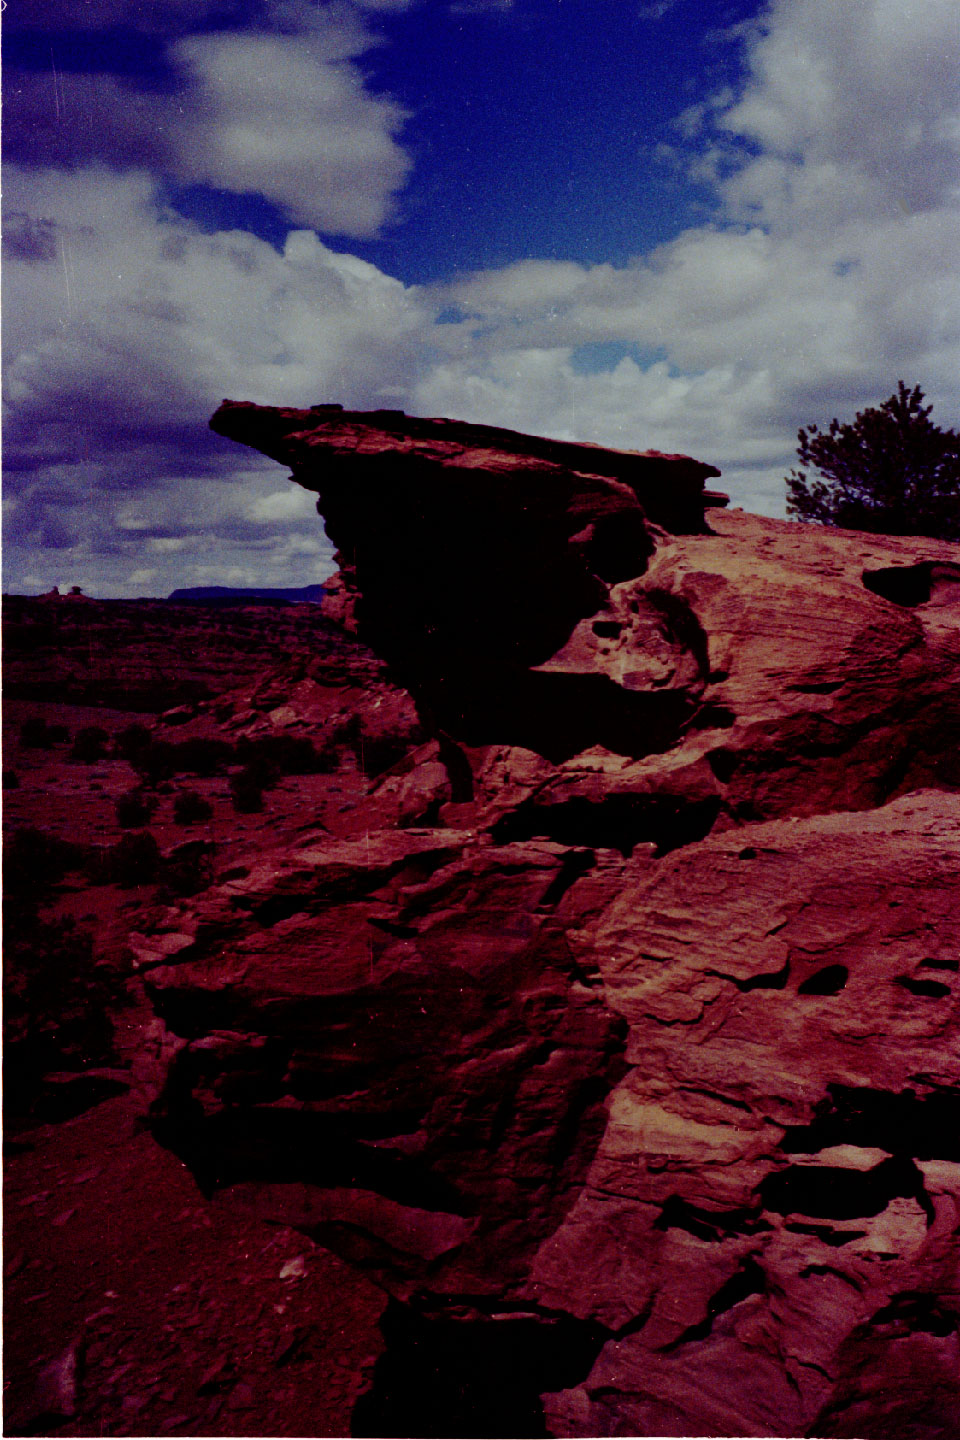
[{"x": 683, "y": 225}]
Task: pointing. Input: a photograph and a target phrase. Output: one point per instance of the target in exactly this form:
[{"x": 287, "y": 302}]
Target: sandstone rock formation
[{"x": 615, "y": 1034}]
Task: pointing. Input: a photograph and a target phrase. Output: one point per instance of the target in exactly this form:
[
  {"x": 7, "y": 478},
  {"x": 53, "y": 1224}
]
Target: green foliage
[
  {"x": 158, "y": 760},
  {"x": 246, "y": 790},
  {"x": 37, "y": 734},
  {"x": 890, "y": 472},
  {"x": 56, "y": 999},
  {"x": 190, "y": 806},
  {"x": 189, "y": 868},
  {"x": 134, "y": 809},
  {"x": 282, "y": 754},
  {"x": 133, "y": 861},
  {"x": 90, "y": 744},
  {"x": 131, "y": 741}
]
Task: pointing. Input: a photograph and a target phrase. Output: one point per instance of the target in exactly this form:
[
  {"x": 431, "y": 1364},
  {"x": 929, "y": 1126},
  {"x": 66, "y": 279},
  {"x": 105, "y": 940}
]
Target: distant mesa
[
  {"x": 55, "y": 593},
  {"x": 246, "y": 595}
]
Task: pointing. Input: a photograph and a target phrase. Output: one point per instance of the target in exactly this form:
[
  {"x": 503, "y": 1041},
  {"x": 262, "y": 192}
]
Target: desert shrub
[
  {"x": 285, "y": 754},
  {"x": 90, "y": 744},
  {"x": 160, "y": 759},
  {"x": 33, "y": 734},
  {"x": 246, "y": 790},
  {"x": 376, "y": 752},
  {"x": 34, "y": 861},
  {"x": 37, "y": 734},
  {"x": 202, "y": 756},
  {"x": 154, "y": 762},
  {"x": 131, "y": 741},
  {"x": 134, "y": 860},
  {"x": 190, "y": 806},
  {"x": 134, "y": 809},
  {"x": 189, "y": 869},
  {"x": 56, "y": 1000}
]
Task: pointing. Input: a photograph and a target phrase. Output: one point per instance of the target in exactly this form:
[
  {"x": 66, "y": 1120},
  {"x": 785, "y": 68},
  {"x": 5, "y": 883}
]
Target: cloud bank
[{"x": 829, "y": 268}]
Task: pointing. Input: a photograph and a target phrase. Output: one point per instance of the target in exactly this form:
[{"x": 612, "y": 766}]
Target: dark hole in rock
[
  {"x": 953, "y": 965},
  {"x": 245, "y": 1144},
  {"x": 64, "y": 1097},
  {"x": 932, "y": 989},
  {"x": 711, "y": 1225},
  {"x": 440, "y": 1376},
  {"x": 723, "y": 763},
  {"x": 913, "y": 584},
  {"x": 828, "y": 981},
  {"x": 926, "y": 1127},
  {"x": 556, "y": 714},
  {"x": 766, "y": 980},
  {"x": 607, "y": 629},
  {"x": 281, "y": 907},
  {"x": 572, "y": 868},
  {"x": 817, "y": 687},
  {"x": 915, "y": 1310},
  {"x": 618, "y": 822},
  {"x": 837, "y": 1193},
  {"x": 748, "y": 1280},
  {"x": 715, "y": 717},
  {"x": 901, "y": 584},
  {"x": 829, "y": 1236}
]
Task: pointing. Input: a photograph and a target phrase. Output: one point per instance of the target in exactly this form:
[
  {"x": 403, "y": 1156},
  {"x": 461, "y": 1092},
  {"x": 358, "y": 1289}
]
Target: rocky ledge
[{"x": 615, "y": 1033}]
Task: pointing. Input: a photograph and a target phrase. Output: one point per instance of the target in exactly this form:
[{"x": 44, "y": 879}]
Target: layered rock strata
[{"x": 615, "y": 1032}]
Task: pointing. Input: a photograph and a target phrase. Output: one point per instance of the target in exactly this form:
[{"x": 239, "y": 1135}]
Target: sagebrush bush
[
  {"x": 37, "y": 734},
  {"x": 56, "y": 1002},
  {"x": 133, "y": 861},
  {"x": 246, "y": 790},
  {"x": 34, "y": 861},
  {"x": 190, "y": 807},
  {"x": 90, "y": 744},
  {"x": 131, "y": 741},
  {"x": 189, "y": 868},
  {"x": 134, "y": 809},
  {"x": 282, "y": 754}
]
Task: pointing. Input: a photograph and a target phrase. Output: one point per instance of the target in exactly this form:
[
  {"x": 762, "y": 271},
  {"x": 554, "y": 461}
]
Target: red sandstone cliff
[{"x": 615, "y": 1033}]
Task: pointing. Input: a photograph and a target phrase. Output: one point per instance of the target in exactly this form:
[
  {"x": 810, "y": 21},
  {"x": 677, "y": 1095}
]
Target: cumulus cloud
[
  {"x": 283, "y": 112},
  {"x": 127, "y": 327},
  {"x": 831, "y": 268},
  {"x": 275, "y": 118}
]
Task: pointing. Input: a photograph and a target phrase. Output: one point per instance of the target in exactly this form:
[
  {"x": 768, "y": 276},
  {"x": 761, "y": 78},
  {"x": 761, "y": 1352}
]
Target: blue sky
[{"x": 676, "y": 225}]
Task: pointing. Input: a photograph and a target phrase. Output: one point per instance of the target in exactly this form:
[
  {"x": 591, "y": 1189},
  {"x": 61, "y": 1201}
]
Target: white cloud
[
  {"x": 127, "y": 328},
  {"x": 286, "y": 115},
  {"x": 277, "y": 116},
  {"x": 282, "y": 505},
  {"x": 832, "y": 268}
]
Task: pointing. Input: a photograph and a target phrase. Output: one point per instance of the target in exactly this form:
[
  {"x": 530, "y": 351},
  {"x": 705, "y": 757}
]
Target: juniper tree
[{"x": 892, "y": 472}]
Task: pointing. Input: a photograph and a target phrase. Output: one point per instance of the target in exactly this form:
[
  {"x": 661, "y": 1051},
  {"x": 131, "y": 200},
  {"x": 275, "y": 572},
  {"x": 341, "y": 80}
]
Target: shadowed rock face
[
  {"x": 469, "y": 553},
  {"x": 615, "y": 1033}
]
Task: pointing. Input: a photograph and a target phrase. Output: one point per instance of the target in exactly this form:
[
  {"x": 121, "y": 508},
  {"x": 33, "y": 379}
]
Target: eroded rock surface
[{"x": 615, "y": 1032}]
